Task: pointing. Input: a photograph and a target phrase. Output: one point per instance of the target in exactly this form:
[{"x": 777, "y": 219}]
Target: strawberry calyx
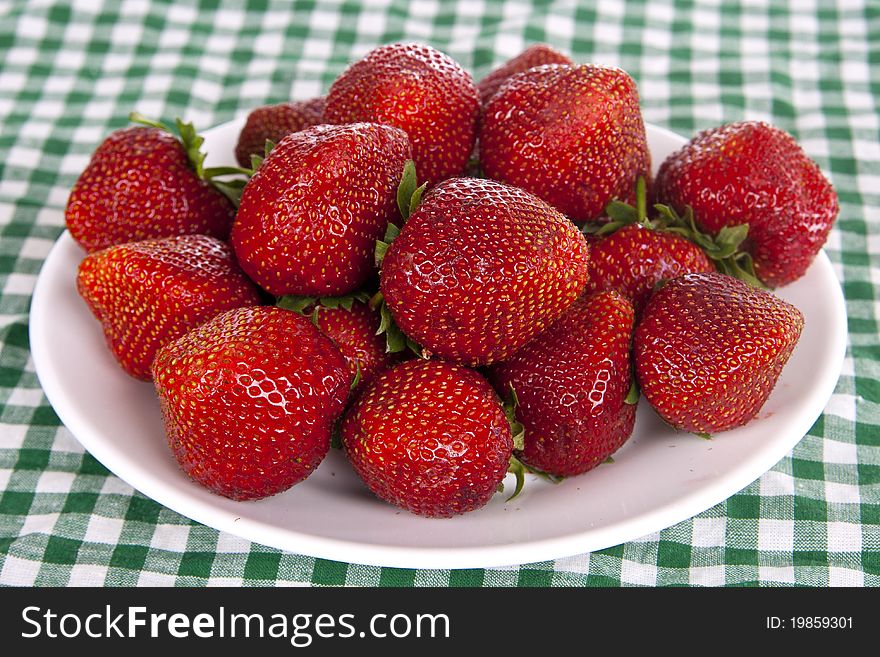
[
  {"x": 409, "y": 195},
  {"x": 395, "y": 339},
  {"x": 310, "y": 306},
  {"x": 518, "y": 432},
  {"x": 724, "y": 249},
  {"x": 192, "y": 143},
  {"x": 391, "y": 233},
  {"x": 409, "y": 192}
]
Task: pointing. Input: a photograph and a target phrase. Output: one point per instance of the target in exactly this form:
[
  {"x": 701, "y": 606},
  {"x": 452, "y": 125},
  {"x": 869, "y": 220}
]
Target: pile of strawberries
[{"x": 451, "y": 280}]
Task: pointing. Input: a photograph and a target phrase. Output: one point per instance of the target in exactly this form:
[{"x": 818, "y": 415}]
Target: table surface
[{"x": 71, "y": 72}]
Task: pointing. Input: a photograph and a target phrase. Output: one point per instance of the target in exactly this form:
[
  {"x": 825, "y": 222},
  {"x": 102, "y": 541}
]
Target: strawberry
[
  {"x": 430, "y": 437},
  {"x": 249, "y": 399},
  {"x": 313, "y": 210},
  {"x": 272, "y": 122},
  {"x": 148, "y": 293},
  {"x": 631, "y": 254},
  {"x": 480, "y": 268},
  {"x": 535, "y": 55},
  {"x": 572, "y": 386},
  {"x": 753, "y": 174},
  {"x": 709, "y": 349},
  {"x": 354, "y": 328},
  {"x": 420, "y": 90},
  {"x": 143, "y": 182},
  {"x": 572, "y": 135}
]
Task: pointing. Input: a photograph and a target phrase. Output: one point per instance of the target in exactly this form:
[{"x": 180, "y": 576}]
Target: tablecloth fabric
[{"x": 71, "y": 72}]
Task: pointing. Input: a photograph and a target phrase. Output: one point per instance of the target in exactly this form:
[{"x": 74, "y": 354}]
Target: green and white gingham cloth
[{"x": 71, "y": 71}]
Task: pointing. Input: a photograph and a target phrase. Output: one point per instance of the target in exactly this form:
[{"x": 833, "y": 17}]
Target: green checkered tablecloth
[{"x": 71, "y": 71}]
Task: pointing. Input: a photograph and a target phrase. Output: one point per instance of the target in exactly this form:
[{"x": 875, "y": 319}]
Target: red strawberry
[
  {"x": 249, "y": 399},
  {"x": 420, "y": 90},
  {"x": 709, "y": 349},
  {"x": 480, "y": 268},
  {"x": 143, "y": 182},
  {"x": 572, "y": 135},
  {"x": 430, "y": 437},
  {"x": 354, "y": 327},
  {"x": 535, "y": 55},
  {"x": 148, "y": 293},
  {"x": 631, "y": 253},
  {"x": 571, "y": 384},
  {"x": 310, "y": 216},
  {"x": 272, "y": 122},
  {"x": 751, "y": 173}
]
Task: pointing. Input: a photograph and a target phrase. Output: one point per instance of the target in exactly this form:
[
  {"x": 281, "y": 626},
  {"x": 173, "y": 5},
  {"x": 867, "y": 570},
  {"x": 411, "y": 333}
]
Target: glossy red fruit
[
  {"x": 572, "y": 135},
  {"x": 146, "y": 294},
  {"x": 249, "y": 399},
  {"x": 709, "y": 349},
  {"x": 420, "y": 90},
  {"x": 480, "y": 268},
  {"x": 430, "y": 437},
  {"x": 755, "y": 174},
  {"x": 272, "y": 122},
  {"x": 310, "y": 216},
  {"x": 535, "y": 55},
  {"x": 634, "y": 258},
  {"x": 571, "y": 384},
  {"x": 140, "y": 184},
  {"x": 354, "y": 331}
]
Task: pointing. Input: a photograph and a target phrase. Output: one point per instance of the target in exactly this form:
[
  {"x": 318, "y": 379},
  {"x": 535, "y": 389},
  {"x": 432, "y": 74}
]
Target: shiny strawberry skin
[
  {"x": 753, "y": 173},
  {"x": 709, "y": 349},
  {"x": 571, "y": 383},
  {"x": 633, "y": 259},
  {"x": 480, "y": 268},
  {"x": 420, "y": 90},
  {"x": 310, "y": 216},
  {"x": 140, "y": 185},
  {"x": 535, "y": 55},
  {"x": 273, "y": 122},
  {"x": 572, "y": 135},
  {"x": 355, "y": 333},
  {"x": 148, "y": 293},
  {"x": 249, "y": 398},
  {"x": 430, "y": 437}
]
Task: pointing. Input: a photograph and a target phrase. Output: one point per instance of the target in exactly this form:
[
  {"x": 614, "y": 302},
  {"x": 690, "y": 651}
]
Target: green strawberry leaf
[
  {"x": 395, "y": 339},
  {"x": 632, "y": 397},
  {"x": 409, "y": 193},
  {"x": 608, "y": 460},
  {"x": 622, "y": 213},
  {"x": 391, "y": 233},
  {"x": 336, "y": 436},
  {"x": 232, "y": 189},
  {"x": 295, "y": 303},
  {"x": 300, "y": 304},
  {"x": 518, "y": 469},
  {"x": 517, "y": 430},
  {"x": 357, "y": 376},
  {"x": 416, "y": 198}
]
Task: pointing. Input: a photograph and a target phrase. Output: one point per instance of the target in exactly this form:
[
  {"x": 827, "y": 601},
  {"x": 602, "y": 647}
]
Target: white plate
[{"x": 659, "y": 478}]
